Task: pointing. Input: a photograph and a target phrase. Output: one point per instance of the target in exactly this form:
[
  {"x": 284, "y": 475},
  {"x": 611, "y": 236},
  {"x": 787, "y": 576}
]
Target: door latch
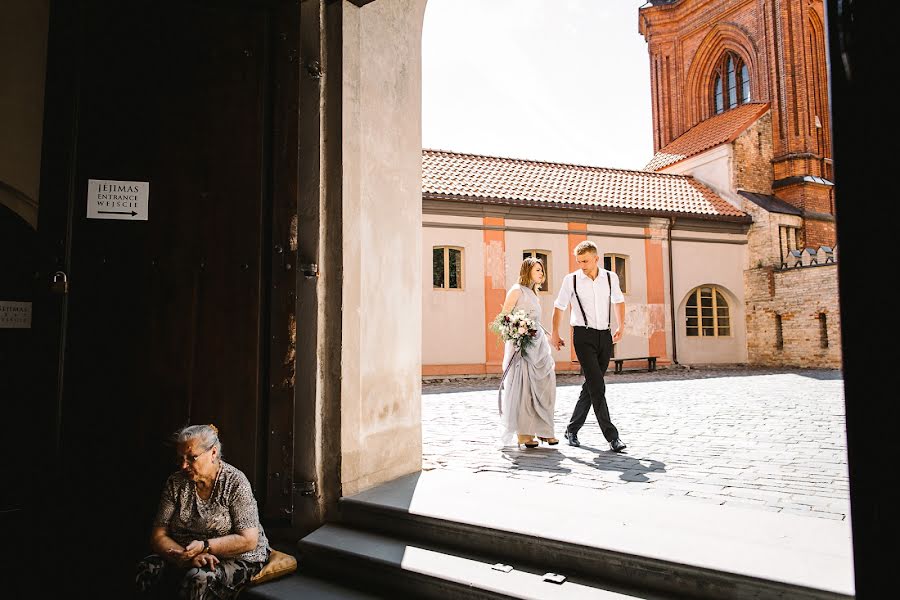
[
  {"x": 305, "y": 488},
  {"x": 309, "y": 270},
  {"x": 59, "y": 284}
]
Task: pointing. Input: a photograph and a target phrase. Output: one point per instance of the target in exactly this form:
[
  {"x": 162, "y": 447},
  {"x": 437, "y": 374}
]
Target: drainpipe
[{"x": 672, "y": 294}]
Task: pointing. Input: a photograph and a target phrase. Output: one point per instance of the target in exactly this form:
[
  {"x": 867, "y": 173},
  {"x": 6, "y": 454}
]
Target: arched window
[
  {"x": 745, "y": 84},
  {"x": 447, "y": 268},
  {"x": 544, "y": 255},
  {"x": 731, "y": 83},
  {"x": 720, "y": 100},
  {"x": 707, "y": 313}
]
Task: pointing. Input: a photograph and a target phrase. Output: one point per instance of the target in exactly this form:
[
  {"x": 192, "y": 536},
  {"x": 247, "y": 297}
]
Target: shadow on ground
[{"x": 550, "y": 460}]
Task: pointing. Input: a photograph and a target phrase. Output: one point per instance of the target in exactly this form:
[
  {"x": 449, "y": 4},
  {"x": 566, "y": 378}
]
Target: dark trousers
[{"x": 593, "y": 349}]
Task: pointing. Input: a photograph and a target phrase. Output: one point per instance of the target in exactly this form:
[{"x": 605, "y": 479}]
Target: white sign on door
[
  {"x": 15, "y": 315},
  {"x": 122, "y": 200}
]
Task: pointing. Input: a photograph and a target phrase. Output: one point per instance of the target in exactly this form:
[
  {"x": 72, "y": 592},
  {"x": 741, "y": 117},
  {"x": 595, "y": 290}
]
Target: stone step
[
  {"x": 300, "y": 585},
  {"x": 661, "y": 545},
  {"x": 401, "y": 568}
]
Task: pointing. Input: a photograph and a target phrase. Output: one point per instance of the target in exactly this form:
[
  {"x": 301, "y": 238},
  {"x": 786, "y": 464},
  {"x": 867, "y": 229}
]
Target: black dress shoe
[
  {"x": 573, "y": 439},
  {"x": 617, "y": 445}
]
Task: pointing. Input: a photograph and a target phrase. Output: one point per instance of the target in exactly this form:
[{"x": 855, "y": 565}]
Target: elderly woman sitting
[{"x": 206, "y": 539}]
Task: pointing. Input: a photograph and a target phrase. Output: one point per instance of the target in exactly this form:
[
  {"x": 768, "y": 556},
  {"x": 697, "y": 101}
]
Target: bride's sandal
[
  {"x": 549, "y": 441},
  {"x": 528, "y": 441}
]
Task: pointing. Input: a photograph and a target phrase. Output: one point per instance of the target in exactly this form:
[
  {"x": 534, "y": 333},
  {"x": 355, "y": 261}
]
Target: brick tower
[{"x": 708, "y": 57}]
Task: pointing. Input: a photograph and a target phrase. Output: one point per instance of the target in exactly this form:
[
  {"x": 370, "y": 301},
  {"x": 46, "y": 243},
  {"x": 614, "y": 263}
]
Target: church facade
[{"x": 740, "y": 101}]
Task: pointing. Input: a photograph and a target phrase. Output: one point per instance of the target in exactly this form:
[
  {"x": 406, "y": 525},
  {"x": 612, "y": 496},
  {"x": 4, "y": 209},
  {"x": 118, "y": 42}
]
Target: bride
[{"x": 528, "y": 390}]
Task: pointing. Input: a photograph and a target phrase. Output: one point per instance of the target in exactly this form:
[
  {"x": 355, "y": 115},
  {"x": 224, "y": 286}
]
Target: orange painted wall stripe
[
  {"x": 577, "y": 234},
  {"x": 656, "y": 295},
  {"x": 494, "y": 288}
]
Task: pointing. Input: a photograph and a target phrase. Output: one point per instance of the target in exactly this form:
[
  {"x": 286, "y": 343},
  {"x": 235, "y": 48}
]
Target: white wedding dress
[{"x": 528, "y": 394}]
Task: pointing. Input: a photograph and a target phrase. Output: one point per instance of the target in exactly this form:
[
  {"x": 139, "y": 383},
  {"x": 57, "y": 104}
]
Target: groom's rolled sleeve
[
  {"x": 564, "y": 296},
  {"x": 615, "y": 294}
]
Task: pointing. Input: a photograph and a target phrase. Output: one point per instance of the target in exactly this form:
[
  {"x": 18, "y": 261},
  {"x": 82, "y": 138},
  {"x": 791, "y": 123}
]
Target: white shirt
[{"x": 595, "y": 297}]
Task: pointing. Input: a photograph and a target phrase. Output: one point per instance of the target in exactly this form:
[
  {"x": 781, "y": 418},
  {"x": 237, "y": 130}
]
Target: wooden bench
[{"x": 651, "y": 362}]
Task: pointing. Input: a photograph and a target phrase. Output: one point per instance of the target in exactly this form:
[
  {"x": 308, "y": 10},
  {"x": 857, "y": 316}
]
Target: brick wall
[
  {"x": 799, "y": 296},
  {"x": 819, "y": 233},
  {"x": 753, "y": 157}
]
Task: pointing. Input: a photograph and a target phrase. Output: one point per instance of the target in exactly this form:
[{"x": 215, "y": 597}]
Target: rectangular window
[
  {"x": 447, "y": 268},
  {"x": 779, "y": 334},
  {"x": 454, "y": 269},
  {"x": 437, "y": 267},
  {"x": 617, "y": 264},
  {"x": 544, "y": 256},
  {"x": 823, "y": 330}
]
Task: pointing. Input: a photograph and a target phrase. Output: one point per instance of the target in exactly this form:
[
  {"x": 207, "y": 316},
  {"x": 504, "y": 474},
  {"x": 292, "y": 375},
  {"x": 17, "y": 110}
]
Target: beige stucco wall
[
  {"x": 557, "y": 245},
  {"x": 635, "y": 342},
  {"x": 465, "y": 344},
  {"x": 697, "y": 263},
  {"x": 381, "y": 430},
  {"x": 23, "y": 57},
  {"x": 453, "y": 325},
  {"x": 714, "y": 169}
]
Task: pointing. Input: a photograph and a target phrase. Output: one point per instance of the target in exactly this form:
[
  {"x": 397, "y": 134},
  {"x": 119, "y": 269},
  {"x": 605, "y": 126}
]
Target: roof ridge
[{"x": 554, "y": 163}]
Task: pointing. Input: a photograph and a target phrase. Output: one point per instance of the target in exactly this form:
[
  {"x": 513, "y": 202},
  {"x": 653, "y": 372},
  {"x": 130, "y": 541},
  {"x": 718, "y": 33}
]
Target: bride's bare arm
[{"x": 511, "y": 298}]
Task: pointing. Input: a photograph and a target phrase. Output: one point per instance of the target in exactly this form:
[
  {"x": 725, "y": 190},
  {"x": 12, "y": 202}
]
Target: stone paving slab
[{"x": 770, "y": 440}]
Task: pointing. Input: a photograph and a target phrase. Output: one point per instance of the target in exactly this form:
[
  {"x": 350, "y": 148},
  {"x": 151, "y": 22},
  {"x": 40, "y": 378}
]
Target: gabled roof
[
  {"x": 497, "y": 180},
  {"x": 715, "y": 131}
]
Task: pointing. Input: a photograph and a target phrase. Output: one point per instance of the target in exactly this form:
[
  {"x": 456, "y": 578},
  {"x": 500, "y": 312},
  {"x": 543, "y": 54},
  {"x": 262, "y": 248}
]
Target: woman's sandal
[
  {"x": 549, "y": 441},
  {"x": 528, "y": 441}
]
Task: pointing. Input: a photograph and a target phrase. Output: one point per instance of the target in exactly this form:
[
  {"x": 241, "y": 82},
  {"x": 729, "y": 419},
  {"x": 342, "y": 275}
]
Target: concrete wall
[
  {"x": 23, "y": 57},
  {"x": 381, "y": 435}
]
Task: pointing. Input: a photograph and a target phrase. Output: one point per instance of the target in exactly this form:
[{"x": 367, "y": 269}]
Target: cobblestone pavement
[{"x": 761, "y": 438}]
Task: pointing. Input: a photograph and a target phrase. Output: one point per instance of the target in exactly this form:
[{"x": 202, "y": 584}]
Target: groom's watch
[{"x": 205, "y": 546}]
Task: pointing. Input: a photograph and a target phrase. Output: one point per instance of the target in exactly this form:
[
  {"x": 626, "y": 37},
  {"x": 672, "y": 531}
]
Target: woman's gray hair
[{"x": 207, "y": 434}]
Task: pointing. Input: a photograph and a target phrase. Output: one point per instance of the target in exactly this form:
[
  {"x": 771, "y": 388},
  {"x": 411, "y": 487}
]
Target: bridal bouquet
[{"x": 516, "y": 326}]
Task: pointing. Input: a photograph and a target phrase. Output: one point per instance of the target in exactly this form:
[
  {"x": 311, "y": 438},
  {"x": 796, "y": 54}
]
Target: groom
[{"x": 593, "y": 292}]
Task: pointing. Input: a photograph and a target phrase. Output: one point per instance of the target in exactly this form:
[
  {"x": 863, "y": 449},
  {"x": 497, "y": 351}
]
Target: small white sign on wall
[
  {"x": 15, "y": 315},
  {"x": 121, "y": 200}
]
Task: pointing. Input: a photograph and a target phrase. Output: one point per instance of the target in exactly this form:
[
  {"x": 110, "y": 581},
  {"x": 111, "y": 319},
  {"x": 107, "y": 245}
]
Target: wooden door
[{"x": 182, "y": 317}]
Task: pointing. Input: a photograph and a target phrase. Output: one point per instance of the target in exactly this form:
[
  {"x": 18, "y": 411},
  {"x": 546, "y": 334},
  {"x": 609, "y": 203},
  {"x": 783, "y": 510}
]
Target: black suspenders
[{"x": 575, "y": 289}]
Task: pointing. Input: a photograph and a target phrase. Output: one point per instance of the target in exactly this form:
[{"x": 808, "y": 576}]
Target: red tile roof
[
  {"x": 495, "y": 180},
  {"x": 712, "y": 132}
]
